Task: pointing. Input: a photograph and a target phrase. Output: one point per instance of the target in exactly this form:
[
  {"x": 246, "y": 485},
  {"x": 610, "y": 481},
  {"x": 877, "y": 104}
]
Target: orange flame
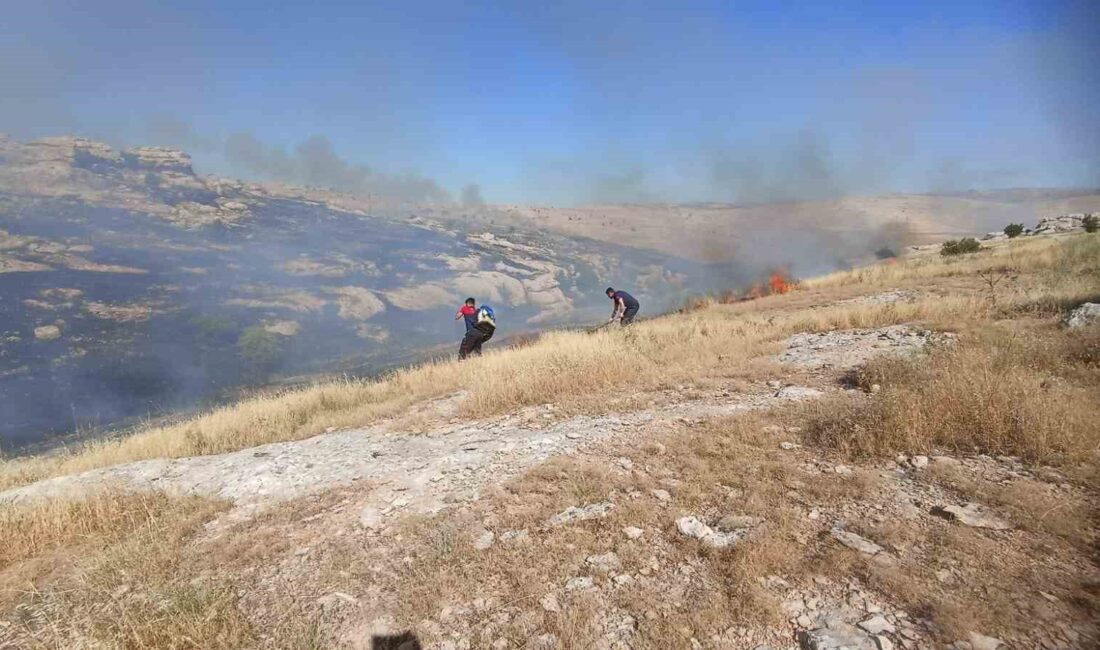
[{"x": 779, "y": 283}]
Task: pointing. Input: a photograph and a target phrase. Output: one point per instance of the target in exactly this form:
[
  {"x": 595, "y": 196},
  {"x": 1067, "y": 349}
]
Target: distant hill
[
  {"x": 846, "y": 227},
  {"x": 132, "y": 285}
]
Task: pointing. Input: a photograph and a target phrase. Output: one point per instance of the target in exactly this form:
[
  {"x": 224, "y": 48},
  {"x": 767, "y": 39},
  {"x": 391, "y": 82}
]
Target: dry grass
[
  {"x": 1029, "y": 255},
  {"x": 441, "y": 569},
  {"x": 1001, "y": 391},
  {"x": 560, "y": 367},
  {"x": 105, "y": 570}
]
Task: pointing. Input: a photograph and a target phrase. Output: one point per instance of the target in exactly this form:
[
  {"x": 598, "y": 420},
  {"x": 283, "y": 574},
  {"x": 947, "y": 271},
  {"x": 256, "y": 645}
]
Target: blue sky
[{"x": 577, "y": 101}]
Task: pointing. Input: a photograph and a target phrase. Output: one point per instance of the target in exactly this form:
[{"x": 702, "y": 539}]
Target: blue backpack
[{"x": 486, "y": 315}]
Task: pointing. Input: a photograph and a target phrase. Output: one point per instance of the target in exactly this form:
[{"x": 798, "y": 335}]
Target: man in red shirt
[{"x": 469, "y": 312}]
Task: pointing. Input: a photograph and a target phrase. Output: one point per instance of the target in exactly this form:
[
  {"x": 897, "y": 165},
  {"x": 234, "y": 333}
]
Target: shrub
[
  {"x": 885, "y": 253},
  {"x": 1091, "y": 222},
  {"x": 1014, "y": 230},
  {"x": 259, "y": 349},
  {"x": 960, "y": 246}
]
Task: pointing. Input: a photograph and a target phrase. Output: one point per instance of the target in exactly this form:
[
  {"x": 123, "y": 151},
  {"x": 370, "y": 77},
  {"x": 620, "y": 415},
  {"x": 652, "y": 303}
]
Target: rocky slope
[{"x": 133, "y": 285}]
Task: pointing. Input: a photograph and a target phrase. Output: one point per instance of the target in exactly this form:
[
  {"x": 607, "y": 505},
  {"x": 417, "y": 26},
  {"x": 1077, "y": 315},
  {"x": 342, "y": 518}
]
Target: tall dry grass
[
  {"x": 1051, "y": 273},
  {"x": 1031, "y": 393},
  {"x": 105, "y": 570},
  {"x": 1028, "y": 255}
]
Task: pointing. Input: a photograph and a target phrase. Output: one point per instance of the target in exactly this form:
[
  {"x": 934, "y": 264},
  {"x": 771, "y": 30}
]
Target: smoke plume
[{"x": 315, "y": 162}]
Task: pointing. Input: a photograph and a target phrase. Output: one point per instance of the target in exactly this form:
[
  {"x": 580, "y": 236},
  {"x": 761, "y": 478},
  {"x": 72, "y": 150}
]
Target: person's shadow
[{"x": 406, "y": 641}]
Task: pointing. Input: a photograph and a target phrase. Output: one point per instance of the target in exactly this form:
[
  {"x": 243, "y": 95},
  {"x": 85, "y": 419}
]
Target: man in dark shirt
[{"x": 624, "y": 306}]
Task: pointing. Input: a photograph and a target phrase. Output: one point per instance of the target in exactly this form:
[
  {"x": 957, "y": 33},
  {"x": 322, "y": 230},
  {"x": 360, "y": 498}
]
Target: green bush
[
  {"x": 1014, "y": 230},
  {"x": 960, "y": 246},
  {"x": 1091, "y": 222},
  {"x": 259, "y": 349}
]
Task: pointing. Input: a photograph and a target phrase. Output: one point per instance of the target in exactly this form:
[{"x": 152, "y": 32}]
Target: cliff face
[{"x": 154, "y": 287}]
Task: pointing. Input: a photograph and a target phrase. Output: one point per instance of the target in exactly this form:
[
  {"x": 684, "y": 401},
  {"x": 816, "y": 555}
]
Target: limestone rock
[
  {"x": 583, "y": 513},
  {"x": 972, "y": 514},
  {"x": 877, "y": 625},
  {"x": 604, "y": 563},
  {"x": 838, "y": 636},
  {"x": 579, "y": 583},
  {"x": 798, "y": 393},
  {"x": 484, "y": 540},
  {"x": 693, "y": 527},
  {"x": 982, "y": 642},
  {"x": 550, "y": 603},
  {"x": 47, "y": 333},
  {"x": 1086, "y": 314},
  {"x": 632, "y": 532},
  {"x": 855, "y": 542}
]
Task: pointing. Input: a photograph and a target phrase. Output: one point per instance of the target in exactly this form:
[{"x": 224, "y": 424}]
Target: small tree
[
  {"x": 1014, "y": 230},
  {"x": 960, "y": 246},
  {"x": 1091, "y": 222},
  {"x": 259, "y": 349}
]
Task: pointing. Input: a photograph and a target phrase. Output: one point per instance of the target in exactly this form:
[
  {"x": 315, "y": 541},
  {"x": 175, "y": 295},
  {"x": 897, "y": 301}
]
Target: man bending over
[{"x": 624, "y": 307}]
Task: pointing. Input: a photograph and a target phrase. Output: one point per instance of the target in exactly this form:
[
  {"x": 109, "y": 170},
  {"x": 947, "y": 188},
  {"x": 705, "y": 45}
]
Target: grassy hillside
[
  {"x": 579, "y": 370},
  {"x": 135, "y": 571}
]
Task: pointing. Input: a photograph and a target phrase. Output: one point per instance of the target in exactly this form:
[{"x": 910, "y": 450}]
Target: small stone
[
  {"x": 804, "y": 621},
  {"x": 545, "y": 642},
  {"x": 982, "y": 642},
  {"x": 370, "y": 518},
  {"x": 1082, "y": 316},
  {"x": 843, "y": 470},
  {"x": 573, "y": 513},
  {"x": 693, "y": 527},
  {"x": 883, "y": 642},
  {"x": 632, "y": 532},
  {"x": 853, "y": 541},
  {"x": 919, "y": 462},
  {"x": 798, "y": 393},
  {"x": 47, "y": 333},
  {"x": 514, "y": 536},
  {"x": 814, "y": 514},
  {"x": 624, "y": 580},
  {"x": 971, "y": 514},
  {"x": 661, "y": 495},
  {"x": 877, "y": 625},
  {"x": 484, "y": 540},
  {"x": 576, "y": 584},
  {"x": 550, "y": 603},
  {"x": 875, "y": 388},
  {"x": 604, "y": 563},
  {"x": 626, "y": 463},
  {"x": 786, "y": 445},
  {"x": 572, "y": 435}
]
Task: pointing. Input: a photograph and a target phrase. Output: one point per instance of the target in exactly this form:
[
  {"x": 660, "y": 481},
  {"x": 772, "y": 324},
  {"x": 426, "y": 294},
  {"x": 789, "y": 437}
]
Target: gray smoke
[
  {"x": 315, "y": 162},
  {"x": 471, "y": 195},
  {"x": 169, "y": 130},
  {"x": 799, "y": 169}
]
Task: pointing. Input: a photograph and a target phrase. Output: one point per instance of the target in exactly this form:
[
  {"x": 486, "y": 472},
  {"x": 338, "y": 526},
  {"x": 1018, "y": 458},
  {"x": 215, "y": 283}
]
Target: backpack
[{"x": 486, "y": 315}]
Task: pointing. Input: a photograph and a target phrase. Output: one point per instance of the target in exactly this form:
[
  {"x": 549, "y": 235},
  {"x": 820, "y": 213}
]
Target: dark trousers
[
  {"x": 628, "y": 315},
  {"x": 471, "y": 343}
]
